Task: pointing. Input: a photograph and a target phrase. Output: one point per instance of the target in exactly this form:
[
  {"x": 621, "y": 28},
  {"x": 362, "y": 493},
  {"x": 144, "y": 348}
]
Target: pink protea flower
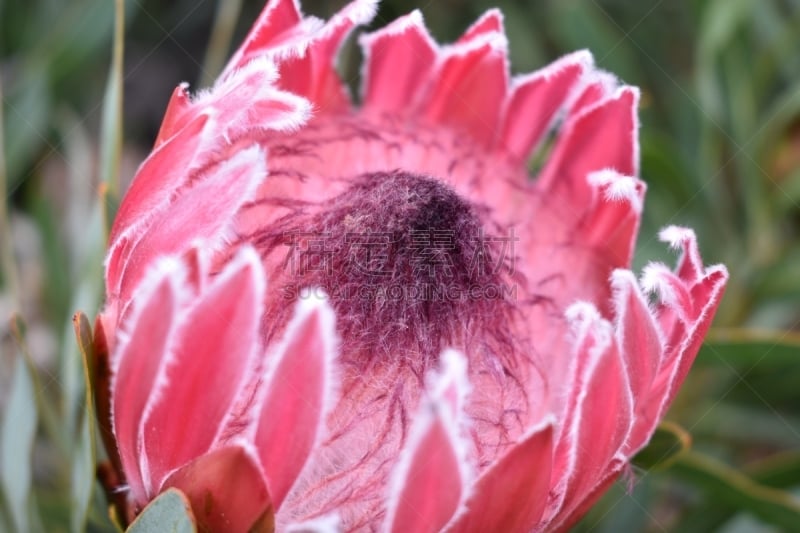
[{"x": 371, "y": 317}]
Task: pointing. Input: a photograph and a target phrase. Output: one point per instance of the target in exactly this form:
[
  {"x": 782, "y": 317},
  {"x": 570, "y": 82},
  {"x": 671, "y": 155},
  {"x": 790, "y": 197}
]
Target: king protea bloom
[{"x": 371, "y": 316}]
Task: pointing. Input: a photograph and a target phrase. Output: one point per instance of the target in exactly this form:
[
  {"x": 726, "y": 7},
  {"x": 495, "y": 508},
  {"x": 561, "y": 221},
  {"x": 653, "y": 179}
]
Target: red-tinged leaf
[
  {"x": 297, "y": 397},
  {"x": 84, "y": 454},
  {"x": 85, "y": 340},
  {"x": 511, "y": 494},
  {"x": 226, "y": 489},
  {"x": 535, "y": 100},
  {"x": 205, "y": 368},
  {"x": 398, "y": 61},
  {"x": 101, "y": 369}
]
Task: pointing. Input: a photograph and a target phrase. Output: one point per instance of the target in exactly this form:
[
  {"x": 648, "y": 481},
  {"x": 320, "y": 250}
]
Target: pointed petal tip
[
  {"x": 690, "y": 264},
  {"x": 430, "y": 481},
  {"x": 512, "y": 492},
  {"x": 411, "y": 21},
  {"x": 316, "y": 300},
  {"x": 398, "y": 59},
  {"x": 356, "y": 13},
  {"x": 622, "y": 279},
  {"x": 490, "y": 22},
  {"x": 582, "y": 312},
  {"x": 535, "y": 100},
  {"x": 548, "y": 420},
  {"x": 671, "y": 290},
  {"x": 247, "y": 258},
  {"x": 718, "y": 271},
  {"x": 584, "y": 320},
  {"x": 454, "y": 362},
  {"x": 451, "y": 383},
  {"x": 603, "y": 78},
  {"x": 415, "y": 489},
  {"x": 677, "y": 236},
  {"x": 164, "y": 269},
  {"x": 362, "y": 11},
  {"x": 617, "y": 187},
  {"x": 496, "y": 41},
  {"x": 583, "y": 59},
  {"x": 613, "y": 92},
  {"x": 654, "y": 280},
  {"x": 624, "y": 282},
  {"x": 248, "y": 98}
]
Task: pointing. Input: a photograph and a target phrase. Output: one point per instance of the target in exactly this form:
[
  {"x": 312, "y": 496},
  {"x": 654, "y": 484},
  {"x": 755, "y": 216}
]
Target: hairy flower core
[{"x": 407, "y": 265}]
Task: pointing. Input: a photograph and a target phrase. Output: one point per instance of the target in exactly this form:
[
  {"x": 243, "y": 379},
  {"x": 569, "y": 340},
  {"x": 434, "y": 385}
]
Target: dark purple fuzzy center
[{"x": 407, "y": 266}]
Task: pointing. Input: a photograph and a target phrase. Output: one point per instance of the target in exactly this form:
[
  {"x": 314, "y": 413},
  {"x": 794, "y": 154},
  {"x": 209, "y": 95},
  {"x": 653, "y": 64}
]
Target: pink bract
[{"x": 508, "y": 399}]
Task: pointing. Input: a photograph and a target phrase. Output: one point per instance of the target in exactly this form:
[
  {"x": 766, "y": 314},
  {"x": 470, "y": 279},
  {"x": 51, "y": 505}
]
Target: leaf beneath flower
[{"x": 169, "y": 512}]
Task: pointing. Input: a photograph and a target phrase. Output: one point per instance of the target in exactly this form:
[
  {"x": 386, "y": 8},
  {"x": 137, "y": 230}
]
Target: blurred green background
[{"x": 720, "y": 136}]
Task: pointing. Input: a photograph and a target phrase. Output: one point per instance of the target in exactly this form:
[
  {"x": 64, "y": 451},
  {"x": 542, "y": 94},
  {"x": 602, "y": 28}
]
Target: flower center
[{"x": 407, "y": 266}]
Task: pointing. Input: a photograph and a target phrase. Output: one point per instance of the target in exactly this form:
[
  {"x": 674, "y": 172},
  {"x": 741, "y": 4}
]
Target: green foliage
[
  {"x": 16, "y": 445},
  {"x": 720, "y": 152},
  {"x": 169, "y": 512}
]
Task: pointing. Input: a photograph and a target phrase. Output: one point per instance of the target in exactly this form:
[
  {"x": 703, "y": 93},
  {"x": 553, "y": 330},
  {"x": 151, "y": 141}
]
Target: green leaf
[
  {"x": 742, "y": 347},
  {"x": 761, "y": 367},
  {"x": 82, "y": 479},
  {"x": 16, "y": 445},
  {"x": 741, "y": 424},
  {"x": 27, "y": 114},
  {"x": 219, "y": 43},
  {"x": 720, "y": 21},
  {"x": 588, "y": 25},
  {"x": 7, "y": 262},
  {"x": 781, "y": 470},
  {"x": 111, "y": 135},
  {"x": 170, "y": 511},
  {"x": 725, "y": 486},
  {"x": 47, "y": 412},
  {"x": 668, "y": 443}
]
